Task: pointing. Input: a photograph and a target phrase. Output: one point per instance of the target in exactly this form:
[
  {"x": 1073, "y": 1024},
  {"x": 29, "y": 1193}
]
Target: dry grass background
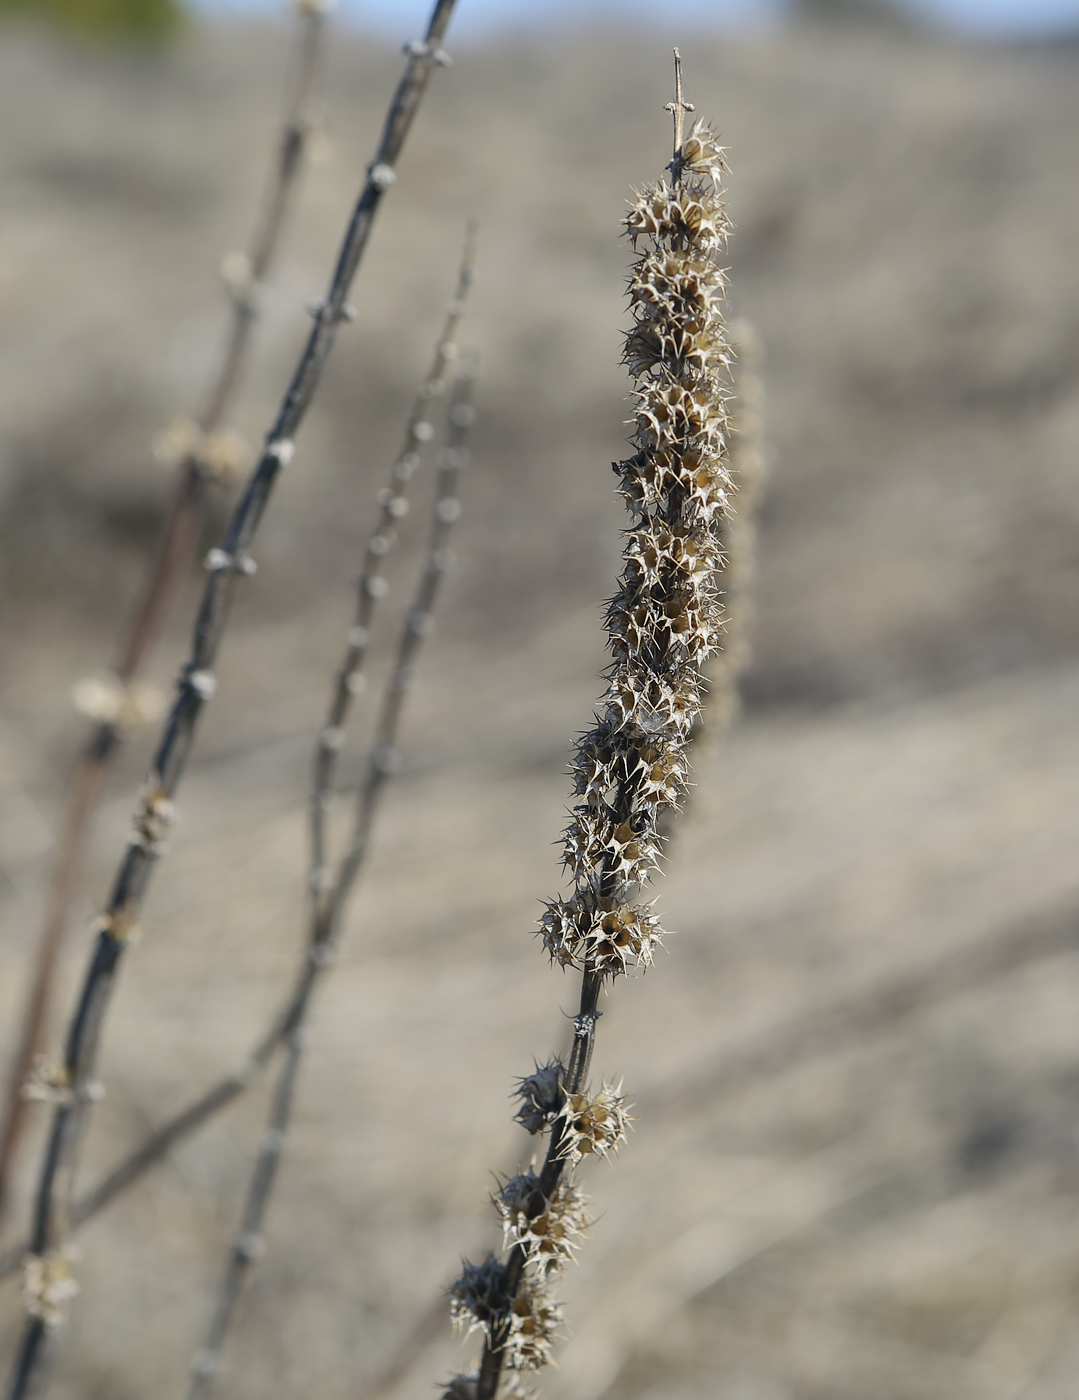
[{"x": 877, "y": 883}]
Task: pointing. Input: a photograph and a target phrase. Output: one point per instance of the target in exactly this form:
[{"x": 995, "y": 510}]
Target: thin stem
[
  {"x": 197, "y": 683},
  {"x": 371, "y": 585},
  {"x": 326, "y": 917},
  {"x": 384, "y": 758},
  {"x": 179, "y": 531},
  {"x": 247, "y": 1246},
  {"x": 678, "y": 108},
  {"x": 290, "y": 152}
]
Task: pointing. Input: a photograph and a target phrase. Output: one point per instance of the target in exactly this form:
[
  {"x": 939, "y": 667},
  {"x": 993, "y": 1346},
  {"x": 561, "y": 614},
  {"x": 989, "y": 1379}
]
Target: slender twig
[
  {"x": 178, "y": 532},
  {"x": 247, "y": 1245},
  {"x": 326, "y": 912},
  {"x": 196, "y": 684},
  {"x": 371, "y": 585}
]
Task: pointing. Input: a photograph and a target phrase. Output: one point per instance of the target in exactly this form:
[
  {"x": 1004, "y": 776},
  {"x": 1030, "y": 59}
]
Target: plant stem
[{"x": 371, "y": 585}]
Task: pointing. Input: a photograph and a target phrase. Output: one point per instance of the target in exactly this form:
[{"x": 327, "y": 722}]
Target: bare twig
[
  {"x": 678, "y": 109},
  {"x": 247, "y": 1245},
  {"x": 196, "y": 685},
  {"x": 178, "y": 533},
  {"x": 371, "y": 585},
  {"x": 328, "y": 905}
]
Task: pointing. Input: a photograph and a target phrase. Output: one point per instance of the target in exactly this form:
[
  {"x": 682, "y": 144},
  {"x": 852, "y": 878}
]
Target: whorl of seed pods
[
  {"x": 593, "y": 1126},
  {"x": 665, "y": 621},
  {"x": 479, "y": 1298},
  {"x": 548, "y": 1235}
]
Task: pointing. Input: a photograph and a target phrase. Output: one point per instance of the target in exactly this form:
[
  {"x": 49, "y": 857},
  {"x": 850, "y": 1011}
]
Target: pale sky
[{"x": 475, "y": 18}]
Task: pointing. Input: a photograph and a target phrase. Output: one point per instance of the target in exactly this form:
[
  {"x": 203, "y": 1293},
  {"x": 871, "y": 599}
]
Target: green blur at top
[{"x": 103, "y": 19}]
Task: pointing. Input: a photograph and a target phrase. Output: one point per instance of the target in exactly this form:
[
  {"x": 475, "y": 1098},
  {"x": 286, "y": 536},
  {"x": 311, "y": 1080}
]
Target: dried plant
[
  {"x": 201, "y": 453},
  {"x": 74, "y": 1079},
  {"x": 330, "y": 884},
  {"x": 663, "y": 624}
]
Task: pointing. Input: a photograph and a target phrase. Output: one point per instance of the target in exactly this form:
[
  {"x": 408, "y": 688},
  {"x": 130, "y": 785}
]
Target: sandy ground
[{"x": 855, "y": 1160}]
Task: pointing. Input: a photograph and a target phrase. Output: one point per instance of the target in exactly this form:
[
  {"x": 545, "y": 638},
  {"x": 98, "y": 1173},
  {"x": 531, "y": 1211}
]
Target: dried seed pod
[
  {"x": 533, "y": 1327},
  {"x": 478, "y": 1298},
  {"x": 594, "y": 1126},
  {"x": 702, "y": 154},
  {"x": 542, "y": 1096},
  {"x": 47, "y": 1287},
  {"x": 548, "y": 1233},
  {"x": 601, "y": 934}
]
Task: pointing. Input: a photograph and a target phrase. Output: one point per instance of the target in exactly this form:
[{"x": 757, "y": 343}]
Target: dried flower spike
[{"x": 630, "y": 770}]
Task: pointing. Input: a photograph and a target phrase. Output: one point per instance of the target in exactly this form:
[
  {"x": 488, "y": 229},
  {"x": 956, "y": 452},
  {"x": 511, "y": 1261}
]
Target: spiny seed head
[
  {"x": 541, "y": 1096},
  {"x": 621, "y": 938},
  {"x": 624, "y": 853},
  {"x": 599, "y": 764},
  {"x": 676, "y": 285},
  {"x": 603, "y": 935},
  {"x": 655, "y": 476},
  {"x": 478, "y": 1298},
  {"x": 593, "y": 1126},
  {"x": 702, "y": 154},
  {"x": 673, "y": 416},
  {"x": 684, "y": 215},
  {"x": 650, "y": 707},
  {"x": 683, "y": 349},
  {"x": 561, "y": 934},
  {"x": 546, "y": 1227},
  {"x": 533, "y": 1327}
]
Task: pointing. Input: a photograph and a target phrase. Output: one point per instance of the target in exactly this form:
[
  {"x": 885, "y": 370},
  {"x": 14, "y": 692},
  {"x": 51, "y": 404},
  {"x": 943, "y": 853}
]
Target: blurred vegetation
[
  {"x": 894, "y": 15},
  {"x": 103, "y": 19}
]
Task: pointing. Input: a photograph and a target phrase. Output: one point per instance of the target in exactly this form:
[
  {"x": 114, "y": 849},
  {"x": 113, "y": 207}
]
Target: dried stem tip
[{"x": 679, "y": 107}]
